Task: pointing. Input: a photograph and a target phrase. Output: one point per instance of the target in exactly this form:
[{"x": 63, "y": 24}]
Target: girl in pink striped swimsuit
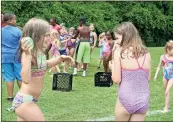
[
  {"x": 34, "y": 65},
  {"x": 131, "y": 71}
]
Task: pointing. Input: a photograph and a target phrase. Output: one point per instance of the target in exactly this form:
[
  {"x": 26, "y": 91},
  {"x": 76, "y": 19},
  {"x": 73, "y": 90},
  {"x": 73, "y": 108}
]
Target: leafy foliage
[{"x": 154, "y": 20}]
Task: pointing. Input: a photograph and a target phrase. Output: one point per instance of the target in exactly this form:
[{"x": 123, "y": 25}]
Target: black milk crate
[
  {"x": 62, "y": 82},
  {"x": 103, "y": 79}
]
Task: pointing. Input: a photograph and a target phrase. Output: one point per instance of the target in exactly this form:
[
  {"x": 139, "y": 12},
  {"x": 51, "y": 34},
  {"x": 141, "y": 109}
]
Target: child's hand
[
  {"x": 116, "y": 45},
  {"x": 27, "y": 44},
  {"x": 68, "y": 59}
]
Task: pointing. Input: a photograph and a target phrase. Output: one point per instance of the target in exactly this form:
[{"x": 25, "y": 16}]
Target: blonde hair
[
  {"x": 101, "y": 35},
  {"x": 169, "y": 46},
  {"x": 130, "y": 38},
  {"x": 91, "y": 24},
  {"x": 54, "y": 34},
  {"x": 36, "y": 29},
  {"x": 72, "y": 28}
]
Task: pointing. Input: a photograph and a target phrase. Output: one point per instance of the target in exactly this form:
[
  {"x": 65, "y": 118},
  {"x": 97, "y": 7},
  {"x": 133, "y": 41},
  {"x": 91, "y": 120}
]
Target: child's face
[
  {"x": 62, "y": 31},
  {"x": 13, "y": 21},
  {"x": 71, "y": 31},
  {"x": 170, "y": 52},
  {"x": 65, "y": 31},
  {"x": 118, "y": 38},
  {"x": 46, "y": 39},
  {"x": 108, "y": 36},
  {"x": 91, "y": 27}
]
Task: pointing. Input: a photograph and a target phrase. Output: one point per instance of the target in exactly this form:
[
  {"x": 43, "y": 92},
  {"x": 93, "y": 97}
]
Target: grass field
[{"x": 86, "y": 102}]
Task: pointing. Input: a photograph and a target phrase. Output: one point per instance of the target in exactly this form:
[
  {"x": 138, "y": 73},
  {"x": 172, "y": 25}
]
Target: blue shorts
[
  {"x": 11, "y": 72},
  {"x": 62, "y": 52}
]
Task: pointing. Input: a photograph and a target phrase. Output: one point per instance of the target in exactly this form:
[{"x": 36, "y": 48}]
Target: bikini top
[{"x": 41, "y": 67}]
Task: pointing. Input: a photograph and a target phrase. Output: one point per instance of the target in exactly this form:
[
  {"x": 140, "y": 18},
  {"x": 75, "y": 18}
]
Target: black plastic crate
[
  {"x": 103, "y": 79},
  {"x": 62, "y": 82}
]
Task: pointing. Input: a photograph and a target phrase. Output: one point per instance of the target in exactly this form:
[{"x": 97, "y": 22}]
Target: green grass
[{"x": 85, "y": 101}]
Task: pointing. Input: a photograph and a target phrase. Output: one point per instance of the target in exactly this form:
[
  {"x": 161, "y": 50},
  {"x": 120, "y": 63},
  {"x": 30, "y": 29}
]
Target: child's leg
[
  {"x": 105, "y": 63},
  {"x": 167, "y": 95},
  {"x": 79, "y": 66},
  {"x": 67, "y": 51},
  {"x": 29, "y": 111},
  {"x": 20, "y": 119},
  {"x": 65, "y": 66},
  {"x": 138, "y": 117},
  {"x": 121, "y": 114},
  {"x": 58, "y": 69},
  {"x": 165, "y": 82},
  {"x": 72, "y": 50},
  {"x": 100, "y": 61}
]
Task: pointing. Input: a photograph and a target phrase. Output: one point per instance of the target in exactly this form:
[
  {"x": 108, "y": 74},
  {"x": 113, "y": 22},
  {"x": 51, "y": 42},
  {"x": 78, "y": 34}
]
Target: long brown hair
[
  {"x": 130, "y": 38},
  {"x": 36, "y": 29}
]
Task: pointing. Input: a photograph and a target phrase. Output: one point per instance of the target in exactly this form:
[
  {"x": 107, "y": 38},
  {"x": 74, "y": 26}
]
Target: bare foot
[{"x": 165, "y": 110}]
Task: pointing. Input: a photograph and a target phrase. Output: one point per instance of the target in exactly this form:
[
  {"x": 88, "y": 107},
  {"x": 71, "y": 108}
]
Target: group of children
[{"x": 126, "y": 57}]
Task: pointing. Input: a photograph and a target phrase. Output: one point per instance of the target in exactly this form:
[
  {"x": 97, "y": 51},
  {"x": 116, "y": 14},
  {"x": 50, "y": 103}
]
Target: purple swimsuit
[{"x": 133, "y": 91}]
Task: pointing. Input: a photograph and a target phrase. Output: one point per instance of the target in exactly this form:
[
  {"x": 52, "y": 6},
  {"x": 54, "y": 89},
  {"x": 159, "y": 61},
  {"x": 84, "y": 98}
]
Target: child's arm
[
  {"x": 95, "y": 39},
  {"x": 57, "y": 60},
  {"x": 100, "y": 43},
  {"x": 57, "y": 43},
  {"x": 116, "y": 66},
  {"x": 26, "y": 45},
  {"x": 26, "y": 67},
  {"x": 149, "y": 60},
  {"x": 47, "y": 51},
  {"x": 158, "y": 68}
]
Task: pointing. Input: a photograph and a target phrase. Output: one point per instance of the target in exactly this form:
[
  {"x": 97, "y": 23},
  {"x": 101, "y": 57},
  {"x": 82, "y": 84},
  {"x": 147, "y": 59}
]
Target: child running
[
  {"x": 166, "y": 61},
  {"x": 34, "y": 65},
  {"x": 102, "y": 39},
  {"x": 131, "y": 71}
]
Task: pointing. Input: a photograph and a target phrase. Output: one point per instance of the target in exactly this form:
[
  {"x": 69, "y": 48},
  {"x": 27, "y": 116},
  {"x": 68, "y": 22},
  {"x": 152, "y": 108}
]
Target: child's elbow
[{"x": 116, "y": 79}]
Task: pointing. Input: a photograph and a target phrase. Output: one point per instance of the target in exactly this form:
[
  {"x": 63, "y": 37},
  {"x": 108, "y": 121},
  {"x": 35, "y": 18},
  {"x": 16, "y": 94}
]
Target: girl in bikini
[{"x": 34, "y": 65}]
